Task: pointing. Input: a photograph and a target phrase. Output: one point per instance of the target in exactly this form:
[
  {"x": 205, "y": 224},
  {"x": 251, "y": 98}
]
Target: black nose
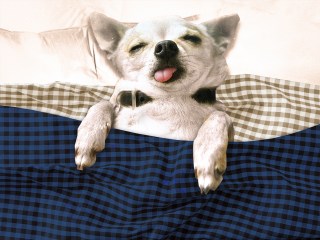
[{"x": 166, "y": 49}]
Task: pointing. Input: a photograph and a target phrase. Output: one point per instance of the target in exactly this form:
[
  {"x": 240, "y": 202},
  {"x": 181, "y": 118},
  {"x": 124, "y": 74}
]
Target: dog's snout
[{"x": 166, "y": 49}]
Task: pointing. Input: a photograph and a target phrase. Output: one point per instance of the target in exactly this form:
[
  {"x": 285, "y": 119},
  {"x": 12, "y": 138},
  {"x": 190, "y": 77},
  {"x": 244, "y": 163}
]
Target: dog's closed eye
[
  {"x": 192, "y": 38},
  {"x": 137, "y": 47}
]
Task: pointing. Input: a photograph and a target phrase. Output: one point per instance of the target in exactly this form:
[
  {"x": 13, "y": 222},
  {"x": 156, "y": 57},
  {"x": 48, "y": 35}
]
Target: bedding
[
  {"x": 260, "y": 107},
  {"x": 70, "y": 54},
  {"x": 143, "y": 187}
]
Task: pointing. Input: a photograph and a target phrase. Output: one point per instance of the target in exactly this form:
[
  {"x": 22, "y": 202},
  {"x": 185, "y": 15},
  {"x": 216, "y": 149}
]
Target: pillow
[{"x": 67, "y": 55}]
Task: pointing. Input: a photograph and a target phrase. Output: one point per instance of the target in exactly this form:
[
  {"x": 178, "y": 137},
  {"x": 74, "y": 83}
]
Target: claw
[
  {"x": 205, "y": 190},
  {"x": 219, "y": 172},
  {"x": 85, "y": 159},
  {"x": 80, "y": 167},
  {"x": 206, "y": 182}
]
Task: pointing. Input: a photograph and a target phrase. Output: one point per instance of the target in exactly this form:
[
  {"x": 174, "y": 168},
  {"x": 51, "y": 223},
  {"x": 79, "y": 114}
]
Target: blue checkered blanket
[{"x": 143, "y": 187}]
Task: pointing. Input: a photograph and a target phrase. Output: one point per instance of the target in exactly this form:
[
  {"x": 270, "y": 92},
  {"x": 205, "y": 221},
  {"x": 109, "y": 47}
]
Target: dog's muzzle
[
  {"x": 166, "y": 49},
  {"x": 168, "y": 68}
]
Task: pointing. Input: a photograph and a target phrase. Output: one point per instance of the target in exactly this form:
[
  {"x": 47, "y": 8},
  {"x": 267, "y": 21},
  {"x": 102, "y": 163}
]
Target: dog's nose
[{"x": 166, "y": 49}]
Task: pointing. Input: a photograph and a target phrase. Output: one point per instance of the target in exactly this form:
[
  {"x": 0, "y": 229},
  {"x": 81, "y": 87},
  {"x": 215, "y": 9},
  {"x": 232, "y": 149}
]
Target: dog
[{"x": 168, "y": 71}]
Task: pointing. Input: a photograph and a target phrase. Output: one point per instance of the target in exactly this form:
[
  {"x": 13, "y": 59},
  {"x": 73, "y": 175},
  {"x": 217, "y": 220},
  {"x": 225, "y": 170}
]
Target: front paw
[
  {"x": 210, "y": 150},
  {"x": 90, "y": 141},
  {"x": 209, "y": 169},
  {"x": 210, "y": 164}
]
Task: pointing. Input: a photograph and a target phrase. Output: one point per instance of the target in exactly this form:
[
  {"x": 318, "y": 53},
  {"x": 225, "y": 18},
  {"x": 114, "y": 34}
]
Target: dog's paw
[
  {"x": 209, "y": 168},
  {"x": 90, "y": 141},
  {"x": 210, "y": 151}
]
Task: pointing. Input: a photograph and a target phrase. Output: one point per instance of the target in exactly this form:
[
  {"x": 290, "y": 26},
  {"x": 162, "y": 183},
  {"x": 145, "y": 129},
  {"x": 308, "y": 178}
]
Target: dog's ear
[
  {"x": 107, "y": 31},
  {"x": 223, "y": 30}
]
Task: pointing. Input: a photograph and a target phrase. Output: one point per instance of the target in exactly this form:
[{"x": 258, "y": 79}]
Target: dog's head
[{"x": 172, "y": 53}]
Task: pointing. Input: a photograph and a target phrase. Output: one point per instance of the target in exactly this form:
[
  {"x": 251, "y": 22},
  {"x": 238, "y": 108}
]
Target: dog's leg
[
  {"x": 92, "y": 133},
  {"x": 209, "y": 150}
]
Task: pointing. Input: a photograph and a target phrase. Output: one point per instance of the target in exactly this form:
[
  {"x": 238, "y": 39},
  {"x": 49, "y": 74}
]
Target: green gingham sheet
[{"x": 260, "y": 107}]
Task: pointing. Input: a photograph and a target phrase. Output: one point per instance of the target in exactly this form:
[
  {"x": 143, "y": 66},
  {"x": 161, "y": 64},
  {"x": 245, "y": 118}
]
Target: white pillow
[{"x": 67, "y": 55}]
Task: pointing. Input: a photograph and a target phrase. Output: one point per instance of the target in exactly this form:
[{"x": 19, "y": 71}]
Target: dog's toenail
[
  {"x": 80, "y": 167},
  {"x": 219, "y": 171}
]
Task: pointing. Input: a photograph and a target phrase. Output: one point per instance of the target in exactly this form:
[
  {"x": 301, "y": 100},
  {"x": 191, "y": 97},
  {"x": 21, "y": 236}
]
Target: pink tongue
[{"x": 164, "y": 74}]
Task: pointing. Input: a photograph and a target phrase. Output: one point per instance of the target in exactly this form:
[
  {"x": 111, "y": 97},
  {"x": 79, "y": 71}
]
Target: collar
[
  {"x": 138, "y": 98},
  {"x": 133, "y": 98},
  {"x": 205, "y": 96}
]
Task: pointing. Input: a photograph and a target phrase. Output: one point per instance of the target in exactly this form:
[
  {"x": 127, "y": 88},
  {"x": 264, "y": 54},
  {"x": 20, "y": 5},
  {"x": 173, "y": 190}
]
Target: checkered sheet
[
  {"x": 261, "y": 108},
  {"x": 143, "y": 187}
]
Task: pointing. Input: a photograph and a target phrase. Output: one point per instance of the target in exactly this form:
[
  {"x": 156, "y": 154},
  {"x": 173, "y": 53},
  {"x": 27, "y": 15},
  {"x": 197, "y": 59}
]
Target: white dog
[{"x": 169, "y": 70}]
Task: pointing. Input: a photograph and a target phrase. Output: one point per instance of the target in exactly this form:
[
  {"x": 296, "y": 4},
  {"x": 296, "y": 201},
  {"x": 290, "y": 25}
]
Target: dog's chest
[{"x": 172, "y": 117}]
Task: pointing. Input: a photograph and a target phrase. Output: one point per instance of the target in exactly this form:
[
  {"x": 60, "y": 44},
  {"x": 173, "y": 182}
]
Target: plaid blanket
[
  {"x": 260, "y": 107},
  {"x": 143, "y": 187}
]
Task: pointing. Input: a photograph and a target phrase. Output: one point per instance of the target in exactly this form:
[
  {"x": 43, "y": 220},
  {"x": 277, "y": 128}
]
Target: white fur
[
  {"x": 172, "y": 113},
  {"x": 175, "y": 115}
]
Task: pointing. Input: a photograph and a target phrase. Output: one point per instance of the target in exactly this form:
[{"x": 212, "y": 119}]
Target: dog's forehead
[{"x": 165, "y": 27}]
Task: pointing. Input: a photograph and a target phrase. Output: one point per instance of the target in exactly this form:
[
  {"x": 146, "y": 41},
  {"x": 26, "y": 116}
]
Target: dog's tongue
[{"x": 164, "y": 74}]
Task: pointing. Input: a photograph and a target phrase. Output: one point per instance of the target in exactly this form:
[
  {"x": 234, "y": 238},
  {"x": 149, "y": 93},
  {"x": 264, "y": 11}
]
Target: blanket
[
  {"x": 260, "y": 107},
  {"x": 143, "y": 187}
]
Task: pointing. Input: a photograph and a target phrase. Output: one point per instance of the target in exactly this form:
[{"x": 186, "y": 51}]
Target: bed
[{"x": 143, "y": 187}]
